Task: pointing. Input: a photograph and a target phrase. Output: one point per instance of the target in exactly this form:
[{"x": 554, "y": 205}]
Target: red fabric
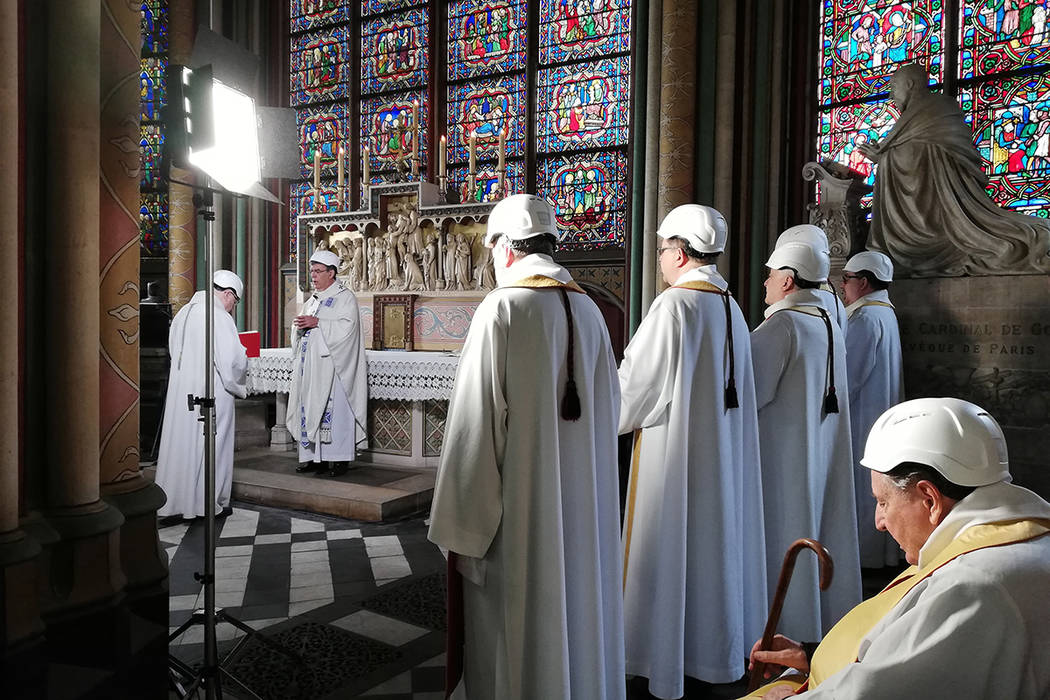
[{"x": 250, "y": 341}]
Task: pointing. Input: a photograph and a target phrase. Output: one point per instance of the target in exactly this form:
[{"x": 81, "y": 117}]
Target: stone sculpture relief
[
  {"x": 839, "y": 212},
  {"x": 931, "y": 213},
  {"x": 407, "y": 258}
]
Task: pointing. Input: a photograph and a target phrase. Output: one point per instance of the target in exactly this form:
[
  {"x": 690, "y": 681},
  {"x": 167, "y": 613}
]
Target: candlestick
[
  {"x": 339, "y": 179},
  {"x": 366, "y": 178},
  {"x": 317, "y": 177},
  {"x": 472, "y": 169},
  {"x": 501, "y": 169},
  {"x": 416, "y": 133}
]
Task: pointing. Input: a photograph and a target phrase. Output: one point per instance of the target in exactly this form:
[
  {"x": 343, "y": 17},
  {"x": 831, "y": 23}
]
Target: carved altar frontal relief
[{"x": 986, "y": 340}]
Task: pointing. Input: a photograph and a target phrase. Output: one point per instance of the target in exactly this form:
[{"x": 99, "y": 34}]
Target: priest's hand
[
  {"x": 304, "y": 323},
  {"x": 784, "y": 652},
  {"x": 780, "y": 691},
  {"x": 871, "y": 150}
]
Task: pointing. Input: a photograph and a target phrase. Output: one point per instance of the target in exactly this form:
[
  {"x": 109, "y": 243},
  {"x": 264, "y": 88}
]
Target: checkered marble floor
[{"x": 341, "y": 584}]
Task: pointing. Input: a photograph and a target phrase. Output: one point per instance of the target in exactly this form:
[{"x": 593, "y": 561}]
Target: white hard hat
[
  {"x": 805, "y": 233},
  {"x": 807, "y": 261},
  {"x": 228, "y": 280},
  {"x": 325, "y": 257},
  {"x": 703, "y": 228},
  {"x": 874, "y": 262},
  {"x": 521, "y": 216},
  {"x": 955, "y": 437}
]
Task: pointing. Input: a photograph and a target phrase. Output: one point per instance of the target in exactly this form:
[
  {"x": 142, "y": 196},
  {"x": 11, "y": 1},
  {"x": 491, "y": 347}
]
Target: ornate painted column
[
  {"x": 182, "y": 215},
  {"x": 122, "y": 484},
  {"x": 81, "y": 577}
]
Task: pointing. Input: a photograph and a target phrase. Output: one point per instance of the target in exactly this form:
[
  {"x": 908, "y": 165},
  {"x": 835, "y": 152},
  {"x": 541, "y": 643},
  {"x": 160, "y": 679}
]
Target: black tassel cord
[
  {"x": 570, "y": 402},
  {"x": 831, "y": 401},
  {"x": 730, "y": 392}
]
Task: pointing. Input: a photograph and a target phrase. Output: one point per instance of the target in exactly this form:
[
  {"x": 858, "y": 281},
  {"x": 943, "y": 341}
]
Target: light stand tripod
[{"x": 184, "y": 679}]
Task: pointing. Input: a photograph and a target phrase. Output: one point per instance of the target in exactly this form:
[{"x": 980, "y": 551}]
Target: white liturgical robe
[
  {"x": 328, "y": 400},
  {"x": 807, "y": 463},
  {"x": 876, "y": 382},
  {"x": 830, "y": 302},
  {"x": 978, "y": 626},
  {"x": 180, "y": 459},
  {"x": 695, "y": 593},
  {"x": 529, "y": 501}
]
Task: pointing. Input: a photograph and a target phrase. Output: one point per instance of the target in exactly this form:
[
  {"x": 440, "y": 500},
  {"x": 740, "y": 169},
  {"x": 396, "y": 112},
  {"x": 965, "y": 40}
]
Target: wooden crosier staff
[{"x": 827, "y": 571}]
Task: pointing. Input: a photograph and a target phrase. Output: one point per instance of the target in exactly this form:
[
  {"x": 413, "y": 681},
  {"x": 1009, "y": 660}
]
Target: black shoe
[
  {"x": 338, "y": 469},
  {"x": 228, "y": 510},
  {"x": 307, "y": 467}
]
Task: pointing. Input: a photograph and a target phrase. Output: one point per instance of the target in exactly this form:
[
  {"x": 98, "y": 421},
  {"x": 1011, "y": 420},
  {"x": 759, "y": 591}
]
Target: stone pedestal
[
  {"x": 986, "y": 340},
  {"x": 252, "y": 429}
]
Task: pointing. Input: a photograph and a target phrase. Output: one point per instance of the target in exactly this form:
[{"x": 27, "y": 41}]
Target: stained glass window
[
  {"x": 589, "y": 193},
  {"x": 486, "y": 181},
  {"x": 1001, "y": 49},
  {"x": 394, "y": 51},
  {"x": 570, "y": 29},
  {"x": 153, "y": 197},
  {"x": 319, "y": 66},
  {"x": 487, "y": 108},
  {"x": 485, "y": 38},
  {"x": 585, "y": 105},
  {"x": 312, "y": 14}
]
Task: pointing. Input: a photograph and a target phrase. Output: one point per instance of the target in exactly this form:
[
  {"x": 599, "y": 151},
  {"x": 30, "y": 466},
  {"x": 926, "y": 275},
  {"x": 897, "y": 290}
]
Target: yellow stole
[
  {"x": 842, "y": 643},
  {"x": 700, "y": 286},
  {"x": 876, "y": 303},
  {"x": 543, "y": 282}
]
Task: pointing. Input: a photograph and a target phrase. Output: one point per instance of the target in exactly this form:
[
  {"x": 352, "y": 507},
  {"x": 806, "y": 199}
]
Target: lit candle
[
  {"x": 365, "y": 167},
  {"x": 317, "y": 177},
  {"x": 339, "y": 178},
  {"x": 416, "y": 130},
  {"x": 441, "y": 157},
  {"x": 502, "y": 149}
]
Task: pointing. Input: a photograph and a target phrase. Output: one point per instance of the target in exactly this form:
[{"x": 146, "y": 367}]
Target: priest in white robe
[
  {"x": 875, "y": 373},
  {"x": 328, "y": 399},
  {"x": 526, "y": 500},
  {"x": 969, "y": 618},
  {"x": 180, "y": 459},
  {"x": 694, "y": 555},
  {"x": 815, "y": 237},
  {"x": 803, "y": 420}
]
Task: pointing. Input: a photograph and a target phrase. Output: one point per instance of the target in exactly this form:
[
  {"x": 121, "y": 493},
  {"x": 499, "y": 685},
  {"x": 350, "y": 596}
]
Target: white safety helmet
[
  {"x": 703, "y": 228},
  {"x": 805, "y": 233},
  {"x": 228, "y": 280},
  {"x": 521, "y": 216},
  {"x": 326, "y": 258},
  {"x": 810, "y": 264},
  {"x": 874, "y": 262},
  {"x": 955, "y": 437}
]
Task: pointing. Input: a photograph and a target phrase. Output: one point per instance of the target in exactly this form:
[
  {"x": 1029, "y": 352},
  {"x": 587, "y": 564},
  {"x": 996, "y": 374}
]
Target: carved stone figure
[
  {"x": 413, "y": 273},
  {"x": 430, "y": 253},
  {"x": 378, "y": 276},
  {"x": 484, "y": 270},
  {"x": 463, "y": 267},
  {"x": 450, "y": 262},
  {"x": 357, "y": 264},
  {"x": 931, "y": 213},
  {"x": 393, "y": 261}
]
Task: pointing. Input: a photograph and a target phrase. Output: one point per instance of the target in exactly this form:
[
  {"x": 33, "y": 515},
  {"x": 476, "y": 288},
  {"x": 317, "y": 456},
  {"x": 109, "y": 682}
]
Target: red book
[{"x": 250, "y": 341}]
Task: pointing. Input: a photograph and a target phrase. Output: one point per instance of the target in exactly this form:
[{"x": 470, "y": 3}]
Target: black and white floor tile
[{"x": 361, "y": 603}]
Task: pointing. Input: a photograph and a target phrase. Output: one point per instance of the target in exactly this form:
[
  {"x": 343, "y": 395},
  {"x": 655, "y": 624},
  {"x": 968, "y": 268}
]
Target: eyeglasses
[
  {"x": 236, "y": 299},
  {"x": 846, "y": 278},
  {"x": 659, "y": 251}
]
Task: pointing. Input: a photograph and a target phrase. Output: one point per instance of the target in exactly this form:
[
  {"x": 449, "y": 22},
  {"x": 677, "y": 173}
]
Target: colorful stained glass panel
[
  {"x": 301, "y": 201},
  {"x": 394, "y": 51},
  {"x": 1003, "y": 35},
  {"x": 151, "y": 144},
  {"x": 574, "y": 29},
  {"x": 586, "y": 105},
  {"x": 322, "y": 129},
  {"x": 154, "y": 26},
  {"x": 372, "y": 7},
  {"x": 485, "y": 37},
  {"x": 153, "y": 223},
  {"x": 843, "y": 129},
  {"x": 486, "y": 108},
  {"x": 388, "y": 128},
  {"x": 311, "y": 14},
  {"x": 152, "y": 89},
  {"x": 487, "y": 182},
  {"x": 1011, "y": 123},
  {"x": 863, "y": 42},
  {"x": 589, "y": 194},
  {"x": 319, "y": 69}
]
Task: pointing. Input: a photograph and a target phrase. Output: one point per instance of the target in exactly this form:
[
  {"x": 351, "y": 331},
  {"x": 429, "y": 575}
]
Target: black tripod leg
[
  {"x": 223, "y": 616},
  {"x": 236, "y": 681}
]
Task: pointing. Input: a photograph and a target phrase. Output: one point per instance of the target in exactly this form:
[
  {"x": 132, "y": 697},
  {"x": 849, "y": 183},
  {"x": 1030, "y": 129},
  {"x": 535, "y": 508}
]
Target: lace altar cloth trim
[{"x": 411, "y": 376}]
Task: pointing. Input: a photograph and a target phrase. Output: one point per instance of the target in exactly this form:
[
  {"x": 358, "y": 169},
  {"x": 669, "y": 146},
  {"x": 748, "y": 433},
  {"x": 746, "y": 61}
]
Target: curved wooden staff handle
[{"x": 827, "y": 572}]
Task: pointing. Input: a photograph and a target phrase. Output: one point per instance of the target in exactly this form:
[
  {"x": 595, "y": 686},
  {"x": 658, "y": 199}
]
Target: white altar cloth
[{"x": 410, "y": 376}]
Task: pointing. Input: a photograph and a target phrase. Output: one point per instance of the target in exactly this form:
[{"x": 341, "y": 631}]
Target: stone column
[
  {"x": 651, "y": 219},
  {"x": 677, "y": 108},
  {"x": 182, "y": 215},
  {"x": 19, "y": 612},
  {"x": 81, "y": 577}
]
